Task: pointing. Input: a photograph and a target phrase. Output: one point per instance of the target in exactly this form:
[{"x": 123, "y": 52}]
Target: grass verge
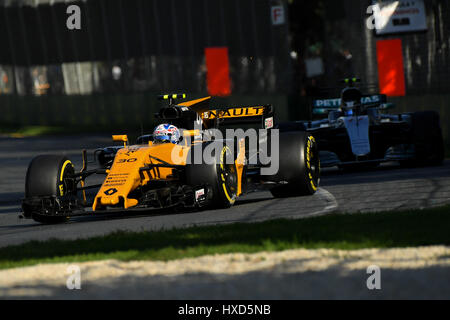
[
  {"x": 39, "y": 131},
  {"x": 347, "y": 232},
  {"x": 31, "y": 131}
]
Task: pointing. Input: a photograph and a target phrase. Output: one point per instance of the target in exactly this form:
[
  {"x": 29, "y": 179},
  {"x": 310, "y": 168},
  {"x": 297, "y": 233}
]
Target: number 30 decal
[{"x": 127, "y": 160}]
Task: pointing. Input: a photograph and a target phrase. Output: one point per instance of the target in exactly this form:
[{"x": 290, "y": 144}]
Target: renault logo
[{"x": 111, "y": 191}]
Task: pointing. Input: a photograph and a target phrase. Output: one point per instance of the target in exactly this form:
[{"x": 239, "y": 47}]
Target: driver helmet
[
  {"x": 351, "y": 101},
  {"x": 166, "y": 133}
]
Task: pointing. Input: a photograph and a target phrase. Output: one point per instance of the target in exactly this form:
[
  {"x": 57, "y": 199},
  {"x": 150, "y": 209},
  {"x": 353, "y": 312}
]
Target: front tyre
[
  {"x": 47, "y": 179},
  {"x": 299, "y": 165}
]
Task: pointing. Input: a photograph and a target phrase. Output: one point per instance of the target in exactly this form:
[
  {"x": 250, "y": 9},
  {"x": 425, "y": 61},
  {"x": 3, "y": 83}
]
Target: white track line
[
  {"x": 331, "y": 199},
  {"x": 331, "y": 207}
]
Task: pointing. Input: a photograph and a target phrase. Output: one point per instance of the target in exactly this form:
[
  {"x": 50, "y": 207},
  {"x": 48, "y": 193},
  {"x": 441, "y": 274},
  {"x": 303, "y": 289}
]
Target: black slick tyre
[
  {"x": 299, "y": 167},
  {"x": 47, "y": 178}
]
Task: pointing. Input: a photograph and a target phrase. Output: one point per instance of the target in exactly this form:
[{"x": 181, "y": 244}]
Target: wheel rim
[
  {"x": 228, "y": 177},
  {"x": 313, "y": 162},
  {"x": 66, "y": 185}
]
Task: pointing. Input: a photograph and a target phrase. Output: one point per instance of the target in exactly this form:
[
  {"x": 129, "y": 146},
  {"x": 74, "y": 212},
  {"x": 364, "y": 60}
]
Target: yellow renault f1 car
[{"x": 167, "y": 175}]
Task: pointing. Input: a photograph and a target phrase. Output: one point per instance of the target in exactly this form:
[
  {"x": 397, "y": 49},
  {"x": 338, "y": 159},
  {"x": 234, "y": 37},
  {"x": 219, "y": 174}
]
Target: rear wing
[
  {"x": 323, "y": 106},
  {"x": 255, "y": 116},
  {"x": 261, "y": 116}
]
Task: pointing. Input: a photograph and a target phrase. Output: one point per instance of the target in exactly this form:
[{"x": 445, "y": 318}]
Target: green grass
[
  {"x": 347, "y": 232},
  {"x": 31, "y": 131},
  {"x": 38, "y": 131}
]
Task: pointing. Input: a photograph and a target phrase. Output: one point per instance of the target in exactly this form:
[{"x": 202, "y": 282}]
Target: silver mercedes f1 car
[{"x": 357, "y": 130}]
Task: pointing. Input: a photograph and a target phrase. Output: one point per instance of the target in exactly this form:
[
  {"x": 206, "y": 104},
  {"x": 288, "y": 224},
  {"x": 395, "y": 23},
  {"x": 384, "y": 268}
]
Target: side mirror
[
  {"x": 387, "y": 106},
  {"x": 122, "y": 138}
]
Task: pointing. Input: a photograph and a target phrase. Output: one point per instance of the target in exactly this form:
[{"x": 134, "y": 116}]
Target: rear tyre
[
  {"x": 47, "y": 177},
  {"x": 299, "y": 165},
  {"x": 220, "y": 178},
  {"x": 426, "y": 134}
]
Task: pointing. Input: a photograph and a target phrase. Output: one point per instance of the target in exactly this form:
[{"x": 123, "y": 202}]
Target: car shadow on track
[
  {"x": 122, "y": 215},
  {"x": 118, "y": 215}
]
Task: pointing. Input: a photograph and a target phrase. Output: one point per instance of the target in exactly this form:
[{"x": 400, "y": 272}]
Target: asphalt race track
[{"x": 387, "y": 187}]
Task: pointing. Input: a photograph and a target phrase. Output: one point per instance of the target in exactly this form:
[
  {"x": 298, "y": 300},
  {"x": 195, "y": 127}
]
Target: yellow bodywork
[{"x": 125, "y": 175}]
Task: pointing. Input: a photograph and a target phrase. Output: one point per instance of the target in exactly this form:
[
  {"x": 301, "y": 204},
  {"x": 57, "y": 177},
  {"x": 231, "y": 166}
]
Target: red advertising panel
[
  {"x": 390, "y": 67},
  {"x": 218, "y": 67}
]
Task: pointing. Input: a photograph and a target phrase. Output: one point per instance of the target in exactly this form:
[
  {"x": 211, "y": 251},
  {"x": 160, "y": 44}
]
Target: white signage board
[
  {"x": 278, "y": 16},
  {"x": 399, "y": 16}
]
